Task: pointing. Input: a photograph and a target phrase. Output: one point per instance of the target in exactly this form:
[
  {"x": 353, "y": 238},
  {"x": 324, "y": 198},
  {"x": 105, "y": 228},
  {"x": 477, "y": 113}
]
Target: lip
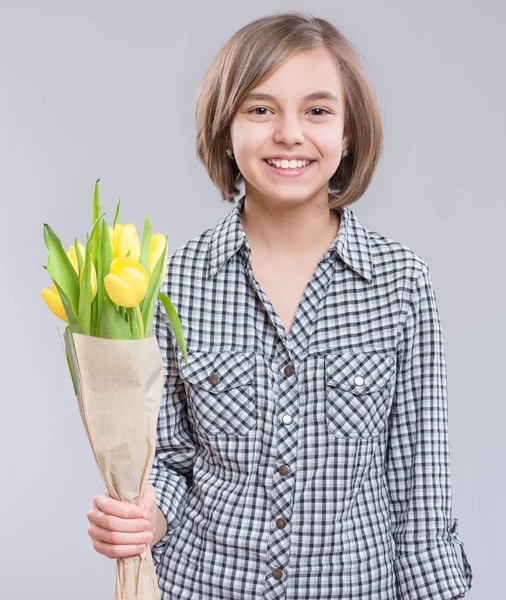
[
  {"x": 287, "y": 157},
  {"x": 288, "y": 172}
]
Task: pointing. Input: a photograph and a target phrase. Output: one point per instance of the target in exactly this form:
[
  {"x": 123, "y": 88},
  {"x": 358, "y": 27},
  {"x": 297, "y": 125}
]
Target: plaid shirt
[{"x": 313, "y": 465}]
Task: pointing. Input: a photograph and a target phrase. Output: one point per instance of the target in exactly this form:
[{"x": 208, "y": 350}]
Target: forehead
[{"x": 303, "y": 73}]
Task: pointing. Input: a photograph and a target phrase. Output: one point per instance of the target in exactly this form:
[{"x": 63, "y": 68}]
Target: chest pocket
[
  {"x": 357, "y": 393},
  {"x": 221, "y": 393}
]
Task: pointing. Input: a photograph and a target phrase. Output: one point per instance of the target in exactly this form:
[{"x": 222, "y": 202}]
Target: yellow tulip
[
  {"x": 127, "y": 282},
  {"x": 73, "y": 259},
  {"x": 157, "y": 246},
  {"x": 124, "y": 237},
  {"x": 52, "y": 298}
]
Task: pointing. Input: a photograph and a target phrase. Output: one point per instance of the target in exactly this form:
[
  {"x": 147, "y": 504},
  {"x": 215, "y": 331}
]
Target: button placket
[{"x": 282, "y": 492}]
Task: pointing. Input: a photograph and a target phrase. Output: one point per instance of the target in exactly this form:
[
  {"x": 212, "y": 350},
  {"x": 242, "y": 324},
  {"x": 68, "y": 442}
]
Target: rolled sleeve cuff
[
  {"x": 171, "y": 498},
  {"x": 441, "y": 572}
]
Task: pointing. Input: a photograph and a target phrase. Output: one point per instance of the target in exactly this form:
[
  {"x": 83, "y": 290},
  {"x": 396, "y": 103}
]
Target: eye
[
  {"x": 258, "y": 108},
  {"x": 324, "y": 110}
]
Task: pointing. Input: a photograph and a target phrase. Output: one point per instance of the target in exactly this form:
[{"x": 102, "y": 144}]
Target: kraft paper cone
[{"x": 119, "y": 389}]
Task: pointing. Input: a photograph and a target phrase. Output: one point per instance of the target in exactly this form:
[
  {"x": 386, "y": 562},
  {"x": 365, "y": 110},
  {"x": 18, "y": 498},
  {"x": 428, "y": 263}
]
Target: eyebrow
[{"x": 319, "y": 95}]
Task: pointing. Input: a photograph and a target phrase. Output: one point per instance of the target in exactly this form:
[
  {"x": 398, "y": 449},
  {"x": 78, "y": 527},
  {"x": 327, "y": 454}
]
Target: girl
[{"x": 303, "y": 451}]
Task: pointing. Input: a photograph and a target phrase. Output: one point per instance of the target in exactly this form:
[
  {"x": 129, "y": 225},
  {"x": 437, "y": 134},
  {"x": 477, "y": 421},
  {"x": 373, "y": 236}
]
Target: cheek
[
  {"x": 249, "y": 141},
  {"x": 328, "y": 140}
]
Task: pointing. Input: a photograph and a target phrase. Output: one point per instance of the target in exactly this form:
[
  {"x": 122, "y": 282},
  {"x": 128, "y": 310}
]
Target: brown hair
[{"x": 247, "y": 59}]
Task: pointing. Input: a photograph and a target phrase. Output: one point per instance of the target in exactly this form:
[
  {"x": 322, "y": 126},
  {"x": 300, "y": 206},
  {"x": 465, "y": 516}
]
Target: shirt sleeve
[
  {"x": 430, "y": 562},
  {"x": 171, "y": 473}
]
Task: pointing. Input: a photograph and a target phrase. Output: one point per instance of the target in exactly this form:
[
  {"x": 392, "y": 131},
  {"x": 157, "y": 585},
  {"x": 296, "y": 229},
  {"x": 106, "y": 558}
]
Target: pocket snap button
[
  {"x": 213, "y": 379},
  {"x": 359, "y": 380},
  {"x": 289, "y": 370}
]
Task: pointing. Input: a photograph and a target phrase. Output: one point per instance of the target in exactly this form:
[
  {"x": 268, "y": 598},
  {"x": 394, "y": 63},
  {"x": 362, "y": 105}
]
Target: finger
[
  {"x": 148, "y": 499},
  {"x": 110, "y": 506},
  {"x": 118, "y": 551},
  {"x": 112, "y": 523},
  {"x": 118, "y": 538}
]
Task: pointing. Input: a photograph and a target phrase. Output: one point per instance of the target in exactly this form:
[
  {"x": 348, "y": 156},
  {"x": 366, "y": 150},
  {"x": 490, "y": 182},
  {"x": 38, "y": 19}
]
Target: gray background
[{"x": 106, "y": 89}]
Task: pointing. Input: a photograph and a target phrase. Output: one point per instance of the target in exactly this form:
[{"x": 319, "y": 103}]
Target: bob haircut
[{"x": 247, "y": 59}]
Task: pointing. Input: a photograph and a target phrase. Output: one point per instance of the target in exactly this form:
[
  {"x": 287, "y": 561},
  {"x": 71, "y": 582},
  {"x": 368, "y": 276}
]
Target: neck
[{"x": 295, "y": 231}]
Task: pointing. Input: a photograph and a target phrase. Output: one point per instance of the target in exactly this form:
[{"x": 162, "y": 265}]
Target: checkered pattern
[{"x": 329, "y": 479}]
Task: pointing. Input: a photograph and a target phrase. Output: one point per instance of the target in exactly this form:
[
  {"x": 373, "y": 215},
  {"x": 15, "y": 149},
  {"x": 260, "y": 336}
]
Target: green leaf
[
  {"x": 117, "y": 213},
  {"x": 113, "y": 326},
  {"x": 134, "y": 327},
  {"x": 60, "y": 268},
  {"x": 78, "y": 254},
  {"x": 69, "y": 363},
  {"x": 146, "y": 244},
  {"x": 85, "y": 296},
  {"x": 104, "y": 264},
  {"x": 175, "y": 323},
  {"x": 95, "y": 235},
  {"x": 148, "y": 304},
  {"x": 73, "y": 320}
]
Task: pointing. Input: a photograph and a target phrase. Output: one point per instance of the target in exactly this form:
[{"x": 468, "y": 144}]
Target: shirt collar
[{"x": 352, "y": 243}]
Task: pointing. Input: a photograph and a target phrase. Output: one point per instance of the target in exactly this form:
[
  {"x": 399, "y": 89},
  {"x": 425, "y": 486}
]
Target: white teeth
[{"x": 288, "y": 164}]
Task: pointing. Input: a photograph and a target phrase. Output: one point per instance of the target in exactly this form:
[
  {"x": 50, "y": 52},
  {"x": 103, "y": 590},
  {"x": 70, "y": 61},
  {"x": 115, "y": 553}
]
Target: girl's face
[{"x": 297, "y": 113}]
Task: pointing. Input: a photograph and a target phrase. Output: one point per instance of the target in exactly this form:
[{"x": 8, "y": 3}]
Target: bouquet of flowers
[{"x": 107, "y": 293}]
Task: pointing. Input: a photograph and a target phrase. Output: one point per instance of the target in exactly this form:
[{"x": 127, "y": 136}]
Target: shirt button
[
  {"x": 284, "y": 469},
  {"x": 213, "y": 379},
  {"x": 289, "y": 370},
  {"x": 277, "y": 573},
  {"x": 287, "y": 419},
  {"x": 280, "y": 523},
  {"x": 359, "y": 380}
]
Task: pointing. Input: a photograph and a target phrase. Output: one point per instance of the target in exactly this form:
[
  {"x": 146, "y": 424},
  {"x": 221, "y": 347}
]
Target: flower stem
[{"x": 139, "y": 321}]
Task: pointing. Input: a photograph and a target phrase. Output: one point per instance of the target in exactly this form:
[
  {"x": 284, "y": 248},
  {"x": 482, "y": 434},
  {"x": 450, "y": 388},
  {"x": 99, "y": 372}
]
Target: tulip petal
[
  {"x": 137, "y": 281},
  {"x": 126, "y": 240},
  {"x": 158, "y": 242},
  {"x": 54, "y": 303},
  {"x": 125, "y": 263},
  {"x": 119, "y": 292}
]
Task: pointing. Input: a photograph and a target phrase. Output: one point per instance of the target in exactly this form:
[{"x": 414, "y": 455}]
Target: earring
[
  {"x": 345, "y": 153},
  {"x": 229, "y": 152}
]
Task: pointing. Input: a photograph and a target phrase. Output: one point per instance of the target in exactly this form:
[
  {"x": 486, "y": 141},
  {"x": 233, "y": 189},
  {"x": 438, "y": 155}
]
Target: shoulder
[
  {"x": 394, "y": 258},
  {"x": 186, "y": 265},
  {"x": 194, "y": 249}
]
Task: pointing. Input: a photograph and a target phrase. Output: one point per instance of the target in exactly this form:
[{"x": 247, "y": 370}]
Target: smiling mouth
[{"x": 284, "y": 164}]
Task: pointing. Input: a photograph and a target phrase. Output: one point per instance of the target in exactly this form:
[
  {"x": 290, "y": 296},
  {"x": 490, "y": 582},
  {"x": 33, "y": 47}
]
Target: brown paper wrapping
[{"x": 119, "y": 389}]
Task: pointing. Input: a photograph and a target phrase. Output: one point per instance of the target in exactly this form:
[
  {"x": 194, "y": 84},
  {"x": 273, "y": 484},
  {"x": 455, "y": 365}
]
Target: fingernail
[{"x": 146, "y": 514}]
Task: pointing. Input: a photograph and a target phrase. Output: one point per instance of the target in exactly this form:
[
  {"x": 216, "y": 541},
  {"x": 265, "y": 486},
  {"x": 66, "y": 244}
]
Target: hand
[{"x": 119, "y": 529}]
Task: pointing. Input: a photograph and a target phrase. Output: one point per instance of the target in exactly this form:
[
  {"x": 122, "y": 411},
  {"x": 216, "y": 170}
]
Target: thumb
[{"x": 148, "y": 499}]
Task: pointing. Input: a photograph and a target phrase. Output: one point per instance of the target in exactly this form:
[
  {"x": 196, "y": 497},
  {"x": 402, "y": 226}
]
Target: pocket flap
[
  {"x": 359, "y": 373},
  {"x": 216, "y": 371}
]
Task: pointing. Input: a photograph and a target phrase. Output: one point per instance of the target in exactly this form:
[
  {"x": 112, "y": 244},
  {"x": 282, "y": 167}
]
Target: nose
[{"x": 289, "y": 130}]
